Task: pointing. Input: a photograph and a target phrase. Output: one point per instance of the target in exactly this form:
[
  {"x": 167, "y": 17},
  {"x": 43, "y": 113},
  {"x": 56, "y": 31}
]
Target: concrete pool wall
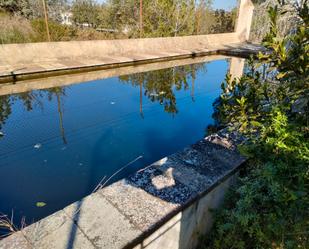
[
  {"x": 165, "y": 205},
  {"x": 31, "y": 60}
]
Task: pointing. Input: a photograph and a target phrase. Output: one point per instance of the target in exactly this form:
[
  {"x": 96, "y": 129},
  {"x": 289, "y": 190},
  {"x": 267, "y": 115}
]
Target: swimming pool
[{"x": 57, "y": 144}]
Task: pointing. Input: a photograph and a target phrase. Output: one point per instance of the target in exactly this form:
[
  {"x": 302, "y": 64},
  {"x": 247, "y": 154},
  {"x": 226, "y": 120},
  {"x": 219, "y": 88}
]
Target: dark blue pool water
[{"x": 57, "y": 144}]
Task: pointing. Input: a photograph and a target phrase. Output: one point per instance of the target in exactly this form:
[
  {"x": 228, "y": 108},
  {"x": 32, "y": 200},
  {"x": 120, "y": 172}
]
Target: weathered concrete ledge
[
  {"x": 37, "y": 60},
  {"x": 165, "y": 205}
]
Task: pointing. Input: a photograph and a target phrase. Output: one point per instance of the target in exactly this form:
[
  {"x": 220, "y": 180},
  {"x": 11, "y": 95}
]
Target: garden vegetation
[
  {"x": 269, "y": 207},
  {"x": 112, "y": 19}
]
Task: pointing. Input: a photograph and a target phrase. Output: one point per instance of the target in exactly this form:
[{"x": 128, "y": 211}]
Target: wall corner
[{"x": 244, "y": 20}]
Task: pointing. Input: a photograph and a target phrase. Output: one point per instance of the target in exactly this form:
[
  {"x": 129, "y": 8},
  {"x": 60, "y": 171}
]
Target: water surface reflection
[{"x": 58, "y": 143}]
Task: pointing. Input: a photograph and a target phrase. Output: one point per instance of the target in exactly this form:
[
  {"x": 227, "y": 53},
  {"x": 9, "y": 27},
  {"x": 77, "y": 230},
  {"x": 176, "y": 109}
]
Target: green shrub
[
  {"x": 270, "y": 206},
  {"x": 58, "y": 32},
  {"x": 14, "y": 29},
  {"x": 13, "y": 35}
]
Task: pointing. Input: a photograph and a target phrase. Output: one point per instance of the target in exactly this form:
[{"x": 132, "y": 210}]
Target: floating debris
[
  {"x": 40, "y": 204},
  {"x": 154, "y": 95},
  {"x": 80, "y": 164},
  {"x": 112, "y": 103},
  {"x": 64, "y": 148},
  {"x": 45, "y": 161},
  {"x": 1, "y": 134},
  {"x": 37, "y": 146}
]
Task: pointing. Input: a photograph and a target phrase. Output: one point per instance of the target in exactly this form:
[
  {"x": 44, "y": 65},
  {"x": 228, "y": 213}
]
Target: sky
[
  {"x": 224, "y": 4},
  {"x": 217, "y": 4}
]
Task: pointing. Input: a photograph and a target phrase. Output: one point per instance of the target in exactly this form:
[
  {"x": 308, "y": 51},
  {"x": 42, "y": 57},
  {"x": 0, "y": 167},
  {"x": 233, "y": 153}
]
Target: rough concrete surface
[
  {"x": 56, "y": 231},
  {"x": 90, "y": 215},
  {"x": 16, "y": 240}
]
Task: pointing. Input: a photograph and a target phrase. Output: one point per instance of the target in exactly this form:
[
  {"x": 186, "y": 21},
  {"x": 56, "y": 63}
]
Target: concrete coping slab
[
  {"x": 58, "y": 65},
  {"x": 125, "y": 213}
]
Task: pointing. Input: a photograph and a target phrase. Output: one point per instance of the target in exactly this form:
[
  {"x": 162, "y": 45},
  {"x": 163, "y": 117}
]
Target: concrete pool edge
[
  {"x": 55, "y": 68},
  {"x": 162, "y": 206}
]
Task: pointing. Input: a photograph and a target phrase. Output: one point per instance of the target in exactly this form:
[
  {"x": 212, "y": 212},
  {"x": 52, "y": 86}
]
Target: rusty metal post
[
  {"x": 46, "y": 20},
  {"x": 141, "y": 18}
]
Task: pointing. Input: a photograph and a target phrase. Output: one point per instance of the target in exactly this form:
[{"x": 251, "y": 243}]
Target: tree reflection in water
[
  {"x": 160, "y": 85},
  {"x": 29, "y": 100},
  {"x": 157, "y": 86}
]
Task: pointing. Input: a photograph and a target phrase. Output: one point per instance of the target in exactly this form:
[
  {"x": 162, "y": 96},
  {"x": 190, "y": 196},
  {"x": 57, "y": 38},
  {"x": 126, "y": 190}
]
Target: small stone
[{"x": 1, "y": 134}]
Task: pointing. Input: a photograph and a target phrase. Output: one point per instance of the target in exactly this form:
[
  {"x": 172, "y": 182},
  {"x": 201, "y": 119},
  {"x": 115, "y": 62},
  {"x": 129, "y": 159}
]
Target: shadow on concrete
[
  {"x": 74, "y": 227},
  {"x": 181, "y": 227}
]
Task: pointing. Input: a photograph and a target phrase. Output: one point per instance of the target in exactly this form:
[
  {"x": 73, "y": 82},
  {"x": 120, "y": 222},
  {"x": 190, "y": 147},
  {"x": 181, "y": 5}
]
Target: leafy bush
[
  {"x": 14, "y": 29},
  {"x": 269, "y": 105},
  {"x": 269, "y": 207},
  {"x": 14, "y": 35},
  {"x": 58, "y": 32}
]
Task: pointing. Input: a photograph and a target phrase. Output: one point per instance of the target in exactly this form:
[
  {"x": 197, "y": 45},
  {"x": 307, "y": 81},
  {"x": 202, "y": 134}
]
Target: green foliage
[
  {"x": 85, "y": 11},
  {"x": 14, "y": 29},
  {"x": 224, "y": 21},
  {"x": 174, "y": 18},
  {"x": 33, "y": 9},
  {"x": 269, "y": 207},
  {"x": 14, "y": 35},
  {"x": 15, "y": 6},
  {"x": 57, "y": 31},
  {"x": 163, "y": 18}
]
